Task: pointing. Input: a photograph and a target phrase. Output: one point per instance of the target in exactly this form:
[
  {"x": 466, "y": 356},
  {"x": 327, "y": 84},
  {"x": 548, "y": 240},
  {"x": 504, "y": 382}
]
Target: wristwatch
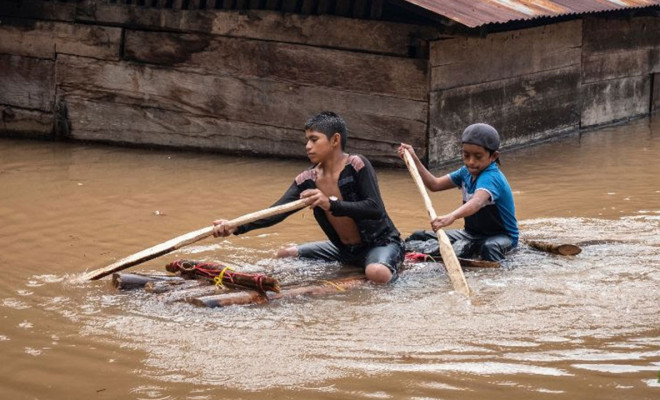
[{"x": 333, "y": 200}]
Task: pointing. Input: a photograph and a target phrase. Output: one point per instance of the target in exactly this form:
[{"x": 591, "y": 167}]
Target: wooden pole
[
  {"x": 254, "y": 297},
  {"x": 188, "y": 238},
  {"x": 446, "y": 250},
  {"x": 134, "y": 281},
  {"x": 468, "y": 262},
  {"x": 560, "y": 249}
]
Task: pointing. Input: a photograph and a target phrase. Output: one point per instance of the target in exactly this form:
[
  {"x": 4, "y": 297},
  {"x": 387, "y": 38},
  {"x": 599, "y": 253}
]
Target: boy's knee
[
  {"x": 378, "y": 273},
  {"x": 492, "y": 250},
  {"x": 287, "y": 252}
]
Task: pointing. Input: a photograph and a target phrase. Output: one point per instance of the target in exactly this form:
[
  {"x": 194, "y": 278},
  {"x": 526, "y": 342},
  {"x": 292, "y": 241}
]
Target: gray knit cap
[{"x": 482, "y": 135}]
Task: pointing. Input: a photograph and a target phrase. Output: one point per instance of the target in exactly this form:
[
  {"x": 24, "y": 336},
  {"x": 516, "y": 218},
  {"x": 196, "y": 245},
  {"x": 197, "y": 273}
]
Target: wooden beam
[
  {"x": 472, "y": 60},
  {"x": 127, "y": 281},
  {"x": 314, "y": 30},
  {"x": 25, "y": 123},
  {"x": 27, "y": 82},
  {"x": 356, "y": 72},
  {"x": 46, "y": 39},
  {"x": 187, "y": 103},
  {"x": 564, "y": 249}
]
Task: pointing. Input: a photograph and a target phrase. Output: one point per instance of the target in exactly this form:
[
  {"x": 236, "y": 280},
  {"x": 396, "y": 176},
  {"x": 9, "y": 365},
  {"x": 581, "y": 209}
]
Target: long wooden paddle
[
  {"x": 188, "y": 238},
  {"x": 446, "y": 250}
]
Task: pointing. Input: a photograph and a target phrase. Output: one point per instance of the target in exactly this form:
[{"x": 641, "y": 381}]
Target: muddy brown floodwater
[{"x": 542, "y": 327}]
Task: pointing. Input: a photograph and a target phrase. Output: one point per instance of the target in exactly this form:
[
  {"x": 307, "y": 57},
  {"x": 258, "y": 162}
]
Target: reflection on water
[{"x": 542, "y": 326}]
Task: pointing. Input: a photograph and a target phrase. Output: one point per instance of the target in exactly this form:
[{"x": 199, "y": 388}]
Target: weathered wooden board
[
  {"x": 614, "y": 100},
  {"x": 472, "y": 60},
  {"x": 613, "y": 65},
  {"x": 317, "y": 30},
  {"x": 109, "y": 120},
  {"x": 522, "y": 109},
  {"x": 45, "y": 39},
  {"x": 616, "y": 48},
  {"x": 602, "y": 34},
  {"x": 352, "y": 71},
  {"x": 25, "y": 123},
  {"x": 27, "y": 82},
  {"x": 254, "y": 101}
]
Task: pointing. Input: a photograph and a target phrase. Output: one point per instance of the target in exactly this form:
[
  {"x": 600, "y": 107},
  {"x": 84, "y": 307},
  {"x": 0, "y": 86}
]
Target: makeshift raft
[
  {"x": 215, "y": 285},
  {"x": 208, "y": 284}
]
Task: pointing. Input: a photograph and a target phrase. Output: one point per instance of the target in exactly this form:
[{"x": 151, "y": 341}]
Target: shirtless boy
[{"x": 343, "y": 192}]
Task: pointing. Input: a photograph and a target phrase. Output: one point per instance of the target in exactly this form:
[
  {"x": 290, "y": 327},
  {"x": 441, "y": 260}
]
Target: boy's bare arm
[
  {"x": 432, "y": 182},
  {"x": 476, "y": 203}
]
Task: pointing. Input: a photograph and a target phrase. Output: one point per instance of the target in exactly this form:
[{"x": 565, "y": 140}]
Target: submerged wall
[
  {"x": 220, "y": 80},
  {"x": 542, "y": 82},
  {"x": 246, "y": 81}
]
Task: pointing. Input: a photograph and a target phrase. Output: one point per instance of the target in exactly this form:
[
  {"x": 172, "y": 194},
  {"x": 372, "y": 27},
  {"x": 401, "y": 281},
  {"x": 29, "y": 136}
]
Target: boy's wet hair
[{"x": 328, "y": 123}]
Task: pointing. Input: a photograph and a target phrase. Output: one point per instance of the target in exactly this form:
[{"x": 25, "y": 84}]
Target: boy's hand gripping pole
[{"x": 446, "y": 250}]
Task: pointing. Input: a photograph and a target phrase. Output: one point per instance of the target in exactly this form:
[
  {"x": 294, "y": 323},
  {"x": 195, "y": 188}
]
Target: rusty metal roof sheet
[{"x": 475, "y": 13}]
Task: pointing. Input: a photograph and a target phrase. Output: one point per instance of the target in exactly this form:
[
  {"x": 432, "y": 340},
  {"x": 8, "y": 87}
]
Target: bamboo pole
[
  {"x": 186, "y": 239},
  {"x": 446, "y": 250}
]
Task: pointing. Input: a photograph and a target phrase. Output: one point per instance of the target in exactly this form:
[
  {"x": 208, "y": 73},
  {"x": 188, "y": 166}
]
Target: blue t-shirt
[{"x": 499, "y": 214}]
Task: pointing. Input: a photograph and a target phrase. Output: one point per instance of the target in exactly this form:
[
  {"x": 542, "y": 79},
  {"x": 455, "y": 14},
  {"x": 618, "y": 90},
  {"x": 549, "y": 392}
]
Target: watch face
[{"x": 332, "y": 198}]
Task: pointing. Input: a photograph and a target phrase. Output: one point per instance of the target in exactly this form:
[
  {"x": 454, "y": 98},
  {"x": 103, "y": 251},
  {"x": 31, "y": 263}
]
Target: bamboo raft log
[{"x": 134, "y": 281}]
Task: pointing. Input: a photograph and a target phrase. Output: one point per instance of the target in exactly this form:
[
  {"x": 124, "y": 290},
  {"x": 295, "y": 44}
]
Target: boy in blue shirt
[{"x": 491, "y": 228}]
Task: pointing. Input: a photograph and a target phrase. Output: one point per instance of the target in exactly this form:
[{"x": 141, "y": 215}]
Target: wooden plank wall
[
  {"x": 537, "y": 83},
  {"x": 219, "y": 80},
  {"x": 525, "y": 83},
  {"x": 619, "y": 57}
]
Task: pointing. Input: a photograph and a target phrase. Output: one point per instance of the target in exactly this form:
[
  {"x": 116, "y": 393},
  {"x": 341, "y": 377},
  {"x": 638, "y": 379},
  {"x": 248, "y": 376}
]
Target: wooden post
[
  {"x": 560, "y": 249},
  {"x": 133, "y": 281}
]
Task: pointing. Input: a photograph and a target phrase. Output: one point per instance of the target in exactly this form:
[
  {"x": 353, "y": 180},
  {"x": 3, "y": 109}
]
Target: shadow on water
[{"x": 542, "y": 326}]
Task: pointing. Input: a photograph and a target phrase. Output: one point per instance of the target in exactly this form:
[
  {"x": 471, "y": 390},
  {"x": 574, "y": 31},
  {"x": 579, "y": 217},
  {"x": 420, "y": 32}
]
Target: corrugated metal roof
[{"x": 475, "y": 13}]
